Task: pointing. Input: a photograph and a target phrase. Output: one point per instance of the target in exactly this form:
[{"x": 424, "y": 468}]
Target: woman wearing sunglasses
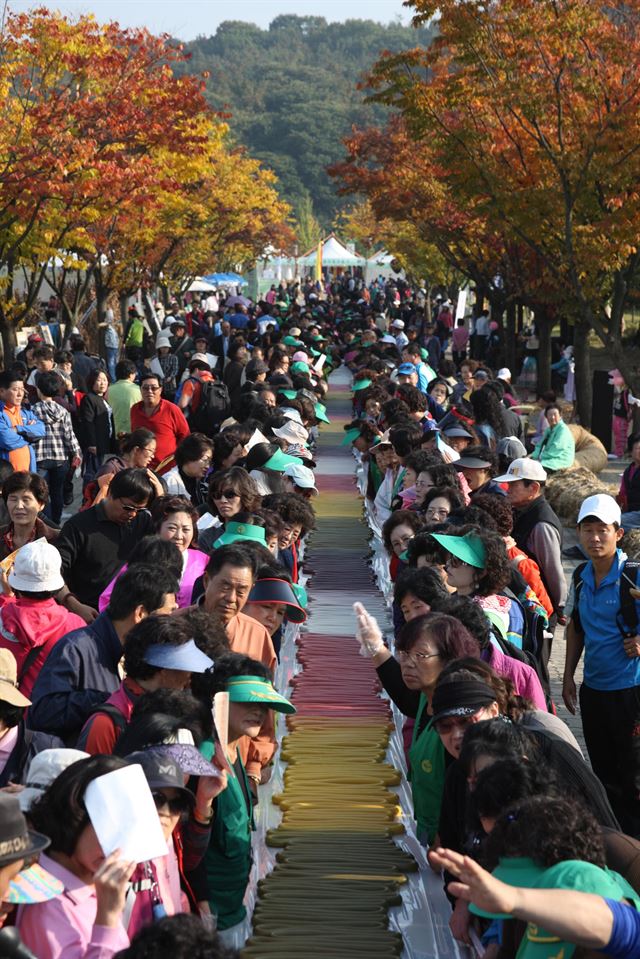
[{"x": 231, "y": 491}]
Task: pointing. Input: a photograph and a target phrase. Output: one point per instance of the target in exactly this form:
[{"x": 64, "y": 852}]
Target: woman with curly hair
[
  {"x": 424, "y": 646},
  {"x": 231, "y": 491},
  {"x": 439, "y": 502},
  {"x": 478, "y": 566},
  {"x": 499, "y": 508},
  {"x": 554, "y": 843}
]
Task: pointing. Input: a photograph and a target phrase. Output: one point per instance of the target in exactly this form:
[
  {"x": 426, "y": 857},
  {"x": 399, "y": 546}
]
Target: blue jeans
[
  {"x": 113, "y": 352},
  {"x": 54, "y": 473}
]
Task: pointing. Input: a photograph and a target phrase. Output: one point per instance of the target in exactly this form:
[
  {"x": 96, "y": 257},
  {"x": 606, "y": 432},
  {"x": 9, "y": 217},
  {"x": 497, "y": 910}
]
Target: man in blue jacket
[
  {"x": 18, "y": 428},
  {"x": 81, "y": 671}
]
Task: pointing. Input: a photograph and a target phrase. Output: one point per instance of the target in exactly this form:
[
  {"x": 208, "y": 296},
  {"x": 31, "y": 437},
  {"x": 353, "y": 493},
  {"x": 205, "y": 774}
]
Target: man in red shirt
[{"x": 164, "y": 419}]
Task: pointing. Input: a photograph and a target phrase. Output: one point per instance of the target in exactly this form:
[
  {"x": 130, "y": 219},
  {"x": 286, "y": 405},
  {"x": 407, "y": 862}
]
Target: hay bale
[
  {"x": 590, "y": 453},
  {"x": 566, "y": 490},
  {"x": 630, "y": 543}
]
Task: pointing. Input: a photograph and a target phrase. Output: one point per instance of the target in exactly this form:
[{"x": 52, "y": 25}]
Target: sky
[{"x": 187, "y": 19}]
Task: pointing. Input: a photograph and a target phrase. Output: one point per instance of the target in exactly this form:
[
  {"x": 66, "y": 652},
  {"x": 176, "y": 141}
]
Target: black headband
[{"x": 461, "y": 697}]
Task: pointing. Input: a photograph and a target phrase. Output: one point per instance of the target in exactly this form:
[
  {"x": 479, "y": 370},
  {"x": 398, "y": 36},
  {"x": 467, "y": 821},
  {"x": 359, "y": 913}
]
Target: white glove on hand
[{"x": 368, "y": 633}]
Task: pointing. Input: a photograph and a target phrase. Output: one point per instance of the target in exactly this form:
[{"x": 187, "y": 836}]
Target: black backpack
[
  {"x": 213, "y": 408},
  {"x": 110, "y": 710},
  {"x": 627, "y": 615}
]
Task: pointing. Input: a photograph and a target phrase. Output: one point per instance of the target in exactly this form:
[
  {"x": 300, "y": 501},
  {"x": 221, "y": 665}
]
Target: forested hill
[{"x": 292, "y": 92}]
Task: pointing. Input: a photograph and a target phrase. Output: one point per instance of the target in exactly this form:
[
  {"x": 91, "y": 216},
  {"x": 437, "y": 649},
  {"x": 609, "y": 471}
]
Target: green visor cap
[
  {"x": 319, "y": 412},
  {"x": 469, "y": 548},
  {"x": 290, "y": 394},
  {"x": 278, "y": 461},
  {"x": 350, "y": 436},
  {"x": 569, "y": 874},
  {"x": 241, "y": 532},
  {"x": 254, "y": 689},
  {"x": 361, "y": 385},
  {"x": 292, "y": 341},
  {"x": 299, "y": 367},
  {"x": 300, "y": 594}
]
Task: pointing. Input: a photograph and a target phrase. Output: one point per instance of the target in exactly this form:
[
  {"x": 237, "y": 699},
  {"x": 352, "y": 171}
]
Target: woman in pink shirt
[
  {"x": 175, "y": 520},
  {"x": 85, "y": 922}
]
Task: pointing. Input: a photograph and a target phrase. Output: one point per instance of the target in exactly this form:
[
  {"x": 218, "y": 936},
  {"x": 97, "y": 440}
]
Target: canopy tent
[
  {"x": 334, "y": 253},
  {"x": 225, "y": 279},
  {"x": 201, "y": 286}
]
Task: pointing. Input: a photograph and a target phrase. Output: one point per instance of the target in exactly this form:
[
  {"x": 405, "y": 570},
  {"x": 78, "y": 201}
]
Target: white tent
[{"x": 334, "y": 253}]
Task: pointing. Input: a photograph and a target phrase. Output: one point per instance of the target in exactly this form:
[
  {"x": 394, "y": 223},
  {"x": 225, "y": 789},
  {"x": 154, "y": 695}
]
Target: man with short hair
[
  {"x": 97, "y": 542},
  {"x": 81, "y": 671},
  {"x": 536, "y": 528},
  {"x": 610, "y": 692},
  {"x": 413, "y": 354},
  {"x": 163, "y": 418},
  {"x": 159, "y": 653},
  {"x": 123, "y": 394},
  {"x": 228, "y": 580}
]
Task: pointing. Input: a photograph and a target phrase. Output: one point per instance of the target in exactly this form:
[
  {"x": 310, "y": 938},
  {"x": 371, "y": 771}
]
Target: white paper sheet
[
  {"x": 124, "y": 816},
  {"x": 255, "y": 438}
]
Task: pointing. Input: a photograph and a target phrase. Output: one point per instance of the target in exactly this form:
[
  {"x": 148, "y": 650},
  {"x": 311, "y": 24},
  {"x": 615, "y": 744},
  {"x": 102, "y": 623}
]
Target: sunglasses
[
  {"x": 131, "y": 509},
  {"x": 151, "y": 389},
  {"x": 447, "y": 725},
  {"x": 176, "y": 806},
  {"x": 227, "y": 494},
  {"x": 453, "y": 562}
]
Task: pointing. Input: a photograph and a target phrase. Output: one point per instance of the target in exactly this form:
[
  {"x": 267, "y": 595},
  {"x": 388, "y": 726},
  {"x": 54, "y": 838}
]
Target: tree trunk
[
  {"x": 8, "y": 335},
  {"x": 510, "y": 336},
  {"x": 543, "y": 330},
  {"x": 583, "y": 383}
]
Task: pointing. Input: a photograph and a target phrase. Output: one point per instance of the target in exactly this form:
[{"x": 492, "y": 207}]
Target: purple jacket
[
  {"x": 194, "y": 567},
  {"x": 523, "y": 676}
]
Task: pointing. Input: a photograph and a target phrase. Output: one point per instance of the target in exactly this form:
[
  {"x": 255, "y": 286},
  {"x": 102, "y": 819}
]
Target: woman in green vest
[
  {"x": 424, "y": 646},
  {"x": 227, "y": 862}
]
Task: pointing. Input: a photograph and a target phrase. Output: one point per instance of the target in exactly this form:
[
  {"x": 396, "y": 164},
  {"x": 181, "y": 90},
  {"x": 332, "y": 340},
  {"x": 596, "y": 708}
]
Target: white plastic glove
[{"x": 368, "y": 633}]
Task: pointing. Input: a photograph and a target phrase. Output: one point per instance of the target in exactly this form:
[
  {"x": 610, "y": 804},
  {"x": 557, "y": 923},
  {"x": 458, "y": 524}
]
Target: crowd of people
[{"x": 172, "y": 577}]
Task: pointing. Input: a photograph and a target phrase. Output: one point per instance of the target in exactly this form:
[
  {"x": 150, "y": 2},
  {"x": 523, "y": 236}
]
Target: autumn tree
[
  {"x": 529, "y": 111},
  {"x": 111, "y": 162}
]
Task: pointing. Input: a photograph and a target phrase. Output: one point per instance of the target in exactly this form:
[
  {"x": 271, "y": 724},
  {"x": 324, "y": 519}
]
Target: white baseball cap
[
  {"x": 523, "y": 469},
  {"x": 504, "y": 373},
  {"x": 398, "y": 324},
  {"x": 290, "y": 414},
  {"x": 43, "y": 769},
  {"x": 292, "y": 432},
  {"x": 603, "y": 507},
  {"x": 37, "y": 568},
  {"x": 302, "y": 476}
]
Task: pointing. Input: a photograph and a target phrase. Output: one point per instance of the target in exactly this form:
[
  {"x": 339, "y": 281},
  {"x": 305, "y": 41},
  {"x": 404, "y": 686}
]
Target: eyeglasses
[
  {"x": 415, "y": 658},
  {"x": 433, "y": 513},
  {"x": 150, "y": 389},
  {"x": 177, "y": 806},
  {"x": 131, "y": 509},
  {"x": 227, "y": 494},
  {"x": 402, "y": 542}
]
